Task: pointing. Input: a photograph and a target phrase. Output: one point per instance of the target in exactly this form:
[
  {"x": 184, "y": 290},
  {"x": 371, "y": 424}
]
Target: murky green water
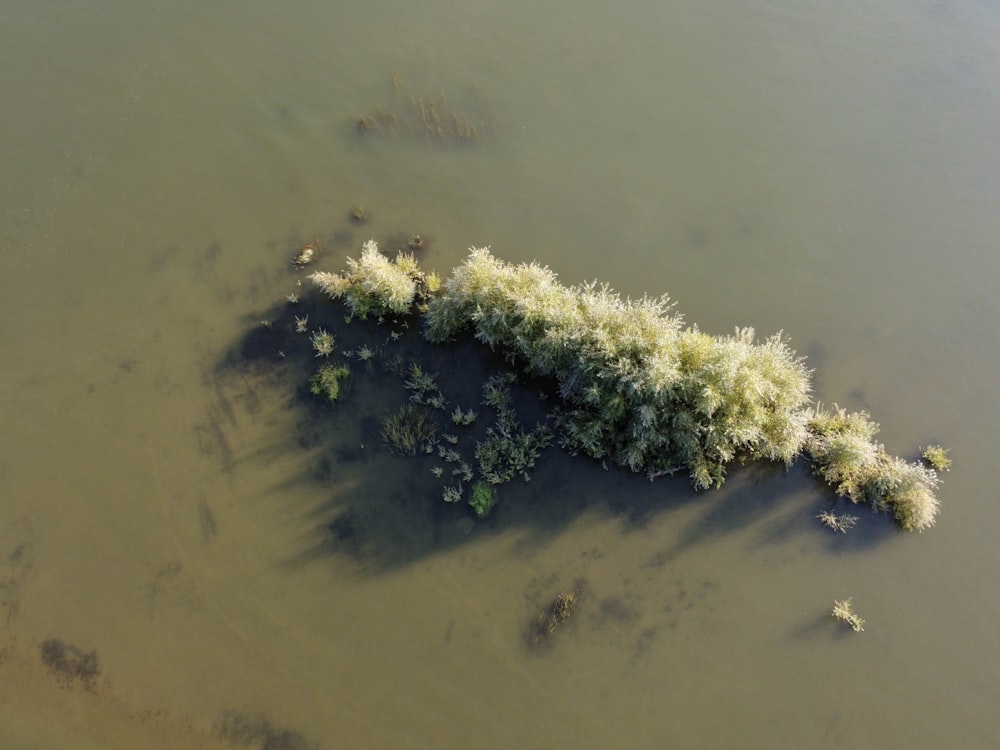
[{"x": 832, "y": 171}]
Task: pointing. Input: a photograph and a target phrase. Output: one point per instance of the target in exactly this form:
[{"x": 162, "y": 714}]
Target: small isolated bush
[
  {"x": 937, "y": 457},
  {"x": 322, "y": 342},
  {"x": 374, "y": 285},
  {"x": 844, "y": 611},
  {"x": 329, "y": 381},
  {"x": 841, "y": 522}
]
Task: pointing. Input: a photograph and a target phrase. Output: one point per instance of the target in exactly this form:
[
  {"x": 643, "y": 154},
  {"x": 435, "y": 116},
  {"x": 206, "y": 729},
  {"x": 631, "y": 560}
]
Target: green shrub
[
  {"x": 843, "y": 452},
  {"x": 638, "y": 388},
  {"x": 329, "y": 381},
  {"x": 482, "y": 498},
  {"x": 374, "y": 285},
  {"x": 937, "y": 458}
]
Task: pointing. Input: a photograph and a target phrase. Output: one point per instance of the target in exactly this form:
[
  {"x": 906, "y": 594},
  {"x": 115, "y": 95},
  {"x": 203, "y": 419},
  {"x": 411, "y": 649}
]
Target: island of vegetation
[{"x": 631, "y": 385}]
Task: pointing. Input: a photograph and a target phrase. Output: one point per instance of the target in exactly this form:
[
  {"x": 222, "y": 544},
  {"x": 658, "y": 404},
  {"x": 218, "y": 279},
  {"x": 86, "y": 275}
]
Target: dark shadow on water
[
  {"x": 823, "y": 624},
  {"x": 383, "y": 511}
]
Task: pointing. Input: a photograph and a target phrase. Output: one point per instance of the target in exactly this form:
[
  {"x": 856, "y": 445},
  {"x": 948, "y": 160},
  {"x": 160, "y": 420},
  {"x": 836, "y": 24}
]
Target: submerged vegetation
[
  {"x": 328, "y": 382},
  {"x": 549, "y": 621},
  {"x": 633, "y": 385},
  {"x": 410, "y": 429},
  {"x": 431, "y": 116}
]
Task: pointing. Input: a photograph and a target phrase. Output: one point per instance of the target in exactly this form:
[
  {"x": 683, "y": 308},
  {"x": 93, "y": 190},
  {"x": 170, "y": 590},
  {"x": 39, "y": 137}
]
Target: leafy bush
[
  {"x": 374, "y": 285},
  {"x": 482, "y": 498},
  {"x": 638, "y": 387},
  {"x": 937, "y": 458},
  {"x": 642, "y": 390},
  {"x": 844, "y": 454},
  {"x": 329, "y": 381}
]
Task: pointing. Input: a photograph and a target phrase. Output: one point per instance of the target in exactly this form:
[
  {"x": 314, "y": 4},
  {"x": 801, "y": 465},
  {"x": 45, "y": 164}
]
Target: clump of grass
[
  {"x": 482, "y": 498},
  {"x": 465, "y": 418},
  {"x": 452, "y": 493},
  {"x": 507, "y": 449},
  {"x": 322, "y": 340},
  {"x": 329, "y": 382},
  {"x": 937, "y": 457},
  {"x": 423, "y": 387},
  {"x": 409, "y": 429},
  {"x": 844, "y": 611},
  {"x": 841, "y": 522}
]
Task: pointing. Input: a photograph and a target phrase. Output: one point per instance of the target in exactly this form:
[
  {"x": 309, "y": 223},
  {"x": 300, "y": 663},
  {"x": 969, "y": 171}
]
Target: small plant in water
[
  {"x": 329, "y": 382},
  {"x": 937, "y": 457},
  {"x": 463, "y": 418},
  {"x": 409, "y": 429},
  {"x": 322, "y": 342},
  {"x": 841, "y": 522},
  {"x": 452, "y": 493},
  {"x": 844, "y": 611},
  {"x": 637, "y": 387},
  {"x": 482, "y": 498},
  {"x": 553, "y": 617}
]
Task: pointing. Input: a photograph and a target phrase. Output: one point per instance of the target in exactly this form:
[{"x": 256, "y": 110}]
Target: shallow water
[{"x": 251, "y": 571}]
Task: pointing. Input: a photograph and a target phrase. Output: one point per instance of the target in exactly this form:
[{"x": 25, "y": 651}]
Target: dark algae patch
[
  {"x": 256, "y": 731},
  {"x": 70, "y": 664}
]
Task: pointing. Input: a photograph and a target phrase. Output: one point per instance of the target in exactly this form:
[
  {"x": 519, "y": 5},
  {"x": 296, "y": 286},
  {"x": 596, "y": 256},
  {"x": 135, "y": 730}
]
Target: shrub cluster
[
  {"x": 638, "y": 388},
  {"x": 642, "y": 390},
  {"x": 375, "y": 285},
  {"x": 843, "y": 452}
]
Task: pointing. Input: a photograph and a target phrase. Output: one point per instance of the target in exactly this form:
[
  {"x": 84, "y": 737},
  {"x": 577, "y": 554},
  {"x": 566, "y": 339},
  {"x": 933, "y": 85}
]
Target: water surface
[{"x": 827, "y": 171}]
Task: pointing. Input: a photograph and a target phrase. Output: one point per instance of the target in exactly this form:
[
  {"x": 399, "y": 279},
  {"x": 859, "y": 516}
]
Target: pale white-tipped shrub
[
  {"x": 908, "y": 490},
  {"x": 373, "y": 284},
  {"x": 642, "y": 390},
  {"x": 843, "y": 452},
  {"x": 844, "y": 611}
]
